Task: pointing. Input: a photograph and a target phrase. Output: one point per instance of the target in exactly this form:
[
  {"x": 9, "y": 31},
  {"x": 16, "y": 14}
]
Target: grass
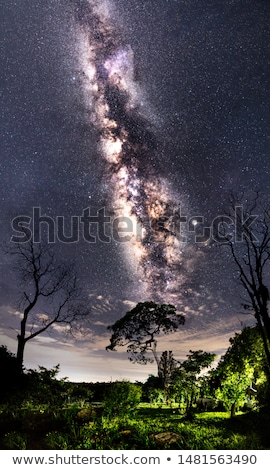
[{"x": 150, "y": 427}]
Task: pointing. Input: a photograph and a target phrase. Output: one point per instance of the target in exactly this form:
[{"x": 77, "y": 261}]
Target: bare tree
[
  {"x": 49, "y": 293},
  {"x": 249, "y": 242}
]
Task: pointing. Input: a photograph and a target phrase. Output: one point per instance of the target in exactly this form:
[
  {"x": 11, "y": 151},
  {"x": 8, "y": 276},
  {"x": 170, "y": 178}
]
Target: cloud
[
  {"x": 129, "y": 303},
  {"x": 83, "y": 357}
]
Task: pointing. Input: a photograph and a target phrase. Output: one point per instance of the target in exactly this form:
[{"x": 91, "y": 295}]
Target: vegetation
[
  {"x": 187, "y": 379},
  {"x": 8, "y": 368},
  {"x": 121, "y": 398},
  {"x": 241, "y": 375},
  {"x": 250, "y": 249},
  {"x": 147, "y": 427},
  {"x": 138, "y": 330},
  {"x": 51, "y": 413},
  {"x": 187, "y": 405}
]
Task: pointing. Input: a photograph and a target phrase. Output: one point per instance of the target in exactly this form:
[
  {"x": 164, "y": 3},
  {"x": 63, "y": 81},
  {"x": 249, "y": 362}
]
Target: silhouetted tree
[
  {"x": 249, "y": 242},
  {"x": 152, "y": 389},
  {"x": 166, "y": 367},
  {"x": 139, "y": 328},
  {"x": 49, "y": 293}
]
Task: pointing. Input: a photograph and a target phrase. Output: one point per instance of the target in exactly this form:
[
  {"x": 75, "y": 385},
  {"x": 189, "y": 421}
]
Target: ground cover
[{"x": 149, "y": 427}]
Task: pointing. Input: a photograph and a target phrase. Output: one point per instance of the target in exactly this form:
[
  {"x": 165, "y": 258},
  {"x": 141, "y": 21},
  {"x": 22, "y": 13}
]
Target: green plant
[
  {"x": 15, "y": 440},
  {"x": 56, "y": 440},
  {"x": 121, "y": 398}
]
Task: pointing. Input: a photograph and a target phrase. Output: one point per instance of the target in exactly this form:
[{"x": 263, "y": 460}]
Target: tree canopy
[
  {"x": 186, "y": 378},
  {"x": 139, "y": 327},
  {"x": 242, "y": 370}
]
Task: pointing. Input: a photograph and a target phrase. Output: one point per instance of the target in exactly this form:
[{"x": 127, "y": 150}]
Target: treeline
[{"x": 240, "y": 380}]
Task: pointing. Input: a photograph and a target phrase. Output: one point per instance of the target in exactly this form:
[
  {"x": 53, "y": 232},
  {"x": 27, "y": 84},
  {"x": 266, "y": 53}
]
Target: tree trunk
[
  {"x": 22, "y": 342},
  {"x": 233, "y": 410},
  {"x": 20, "y": 354},
  {"x": 265, "y": 343},
  {"x": 266, "y": 321}
]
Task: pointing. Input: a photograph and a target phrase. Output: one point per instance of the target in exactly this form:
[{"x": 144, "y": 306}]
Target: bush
[
  {"x": 42, "y": 387},
  {"x": 122, "y": 398},
  {"x": 8, "y": 370}
]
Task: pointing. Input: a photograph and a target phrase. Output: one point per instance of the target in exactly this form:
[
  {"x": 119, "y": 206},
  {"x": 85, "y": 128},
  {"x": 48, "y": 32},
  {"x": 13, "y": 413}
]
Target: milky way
[{"x": 128, "y": 145}]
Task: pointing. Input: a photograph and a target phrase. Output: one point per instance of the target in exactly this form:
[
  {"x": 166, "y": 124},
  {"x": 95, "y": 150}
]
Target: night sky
[{"x": 142, "y": 110}]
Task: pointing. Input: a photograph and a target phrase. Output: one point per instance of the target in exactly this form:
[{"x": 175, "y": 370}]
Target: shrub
[
  {"x": 8, "y": 369},
  {"x": 122, "y": 398}
]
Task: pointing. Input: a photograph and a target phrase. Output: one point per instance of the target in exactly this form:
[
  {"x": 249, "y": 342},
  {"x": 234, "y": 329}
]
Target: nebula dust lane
[{"x": 128, "y": 145}]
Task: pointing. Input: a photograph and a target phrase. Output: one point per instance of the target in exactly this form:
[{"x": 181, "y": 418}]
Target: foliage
[
  {"x": 56, "y": 440},
  {"x": 15, "y": 440},
  {"x": 8, "y": 367},
  {"x": 139, "y": 327},
  {"x": 186, "y": 380},
  {"x": 197, "y": 361},
  {"x": 241, "y": 371},
  {"x": 152, "y": 389},
  {"x": 166, "y": 368},
  {"x": 156, "y": 389},
  {"x": 233, "y": 391},
  {"x": 61, "y": 430},
  {"x": 7, "y": 360},
  {"x": 43, "y": 387},
  {"x": 122, "y": 398},
  {"x": 34, "y": 388},
  {"x": 80, "y": 393}
]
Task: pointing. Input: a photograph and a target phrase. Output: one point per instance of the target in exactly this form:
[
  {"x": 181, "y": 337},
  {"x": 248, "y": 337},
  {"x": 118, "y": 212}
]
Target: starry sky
[{"x": 140, "y": 109}]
